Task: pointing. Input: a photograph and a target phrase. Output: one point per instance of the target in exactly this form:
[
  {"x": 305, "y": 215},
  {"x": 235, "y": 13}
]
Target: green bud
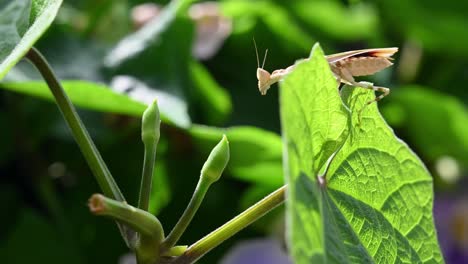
[
  {"x": 151, "y": 124},
  {"x": 217, "y": 161}
]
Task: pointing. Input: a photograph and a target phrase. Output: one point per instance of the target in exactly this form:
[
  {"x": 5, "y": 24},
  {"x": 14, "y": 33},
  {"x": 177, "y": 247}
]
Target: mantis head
[{"x": 263, "y": 77}]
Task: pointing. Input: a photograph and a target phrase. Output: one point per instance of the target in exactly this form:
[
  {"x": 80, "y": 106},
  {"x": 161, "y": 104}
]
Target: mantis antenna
[
  {"x": 256, "y": 54},
  {"x": 264, "y": 58}
]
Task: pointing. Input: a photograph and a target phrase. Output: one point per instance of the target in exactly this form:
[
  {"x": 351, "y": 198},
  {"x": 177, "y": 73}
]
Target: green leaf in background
[
  {"x": 335, "y": 19},
  {"x": 273, "y": 15},
  {"x": 255, "y": 153},
  {"x": 374, "y": 203},
  {"x": 217, "y": 102},
  {"x": 98, "y": 97},
  {"x": 158, "y": 54},
  {"x": 172, "y": 109},
  {"x": 427, "y": 116},
  {"x": 431, "y": 23},
  {"x": 22, "y": 22},
  {"x": 138, "y": 52}
]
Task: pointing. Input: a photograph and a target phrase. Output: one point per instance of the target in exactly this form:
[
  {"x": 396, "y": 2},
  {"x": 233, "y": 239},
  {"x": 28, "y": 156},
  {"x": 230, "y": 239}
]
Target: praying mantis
[{"x": 345, "y": 66}]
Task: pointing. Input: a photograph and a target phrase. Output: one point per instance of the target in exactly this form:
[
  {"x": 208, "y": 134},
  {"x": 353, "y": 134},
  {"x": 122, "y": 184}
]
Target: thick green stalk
[
  {"x": 212, "y": 240},
  {"x": 147, "y": 225},
  {"x": 91, "y": 154},
  {"x": 93, "y": 157}
]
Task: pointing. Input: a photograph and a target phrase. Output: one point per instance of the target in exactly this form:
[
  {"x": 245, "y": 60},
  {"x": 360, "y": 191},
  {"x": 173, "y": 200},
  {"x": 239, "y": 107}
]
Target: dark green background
[{"x": 45, "y": 219}]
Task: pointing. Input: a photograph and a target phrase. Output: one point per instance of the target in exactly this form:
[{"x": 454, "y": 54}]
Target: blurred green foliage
[
  {"x": 45, "y": 182},
  {"x": 416, "y": 109}
]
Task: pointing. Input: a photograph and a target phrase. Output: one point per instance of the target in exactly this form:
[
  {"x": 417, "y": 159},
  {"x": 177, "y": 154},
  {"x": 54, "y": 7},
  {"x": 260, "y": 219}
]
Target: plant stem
[
  {"x": 141, "y": 221},
  {"x": 150, "y": 134},
  {"x": 147, "y": 225},
  {"x": 253, "y": 213},
  {"x": 147, "y": 176},
  {"x": 210, "y": 173},
  {"x": 187, "y": 216},
  {"x": 93, "y": 157}
]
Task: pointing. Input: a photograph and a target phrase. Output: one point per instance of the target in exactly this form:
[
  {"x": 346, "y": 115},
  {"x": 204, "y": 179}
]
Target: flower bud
[
  {"x": 217, "y": 161},
  {"x": 151, "y": 124}
]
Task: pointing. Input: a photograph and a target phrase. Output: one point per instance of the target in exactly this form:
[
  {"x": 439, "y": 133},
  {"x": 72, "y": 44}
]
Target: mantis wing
[{"x": 382, "y": 52}]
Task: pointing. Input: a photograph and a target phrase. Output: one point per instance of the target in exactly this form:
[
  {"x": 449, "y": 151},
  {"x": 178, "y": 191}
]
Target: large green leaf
[
  {"x": 357, "y": 194},
  {"x": 22, "y": 22},
  {"x": 98, "y": 97}
]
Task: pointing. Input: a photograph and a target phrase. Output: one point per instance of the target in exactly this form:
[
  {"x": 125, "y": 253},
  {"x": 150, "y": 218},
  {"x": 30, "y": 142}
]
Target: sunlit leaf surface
[
  {"x": 22, "y": 22},
  {"x": 372, "y": 201}
]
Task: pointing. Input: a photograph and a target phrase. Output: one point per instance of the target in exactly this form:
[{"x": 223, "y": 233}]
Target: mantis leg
[
  {"x": 338, "y": 83},
  {"x": 346, "y": 76}
]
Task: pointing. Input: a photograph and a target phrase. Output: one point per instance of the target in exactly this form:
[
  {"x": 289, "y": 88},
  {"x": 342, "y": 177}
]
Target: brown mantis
[{"x": 344, "y": 66}]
